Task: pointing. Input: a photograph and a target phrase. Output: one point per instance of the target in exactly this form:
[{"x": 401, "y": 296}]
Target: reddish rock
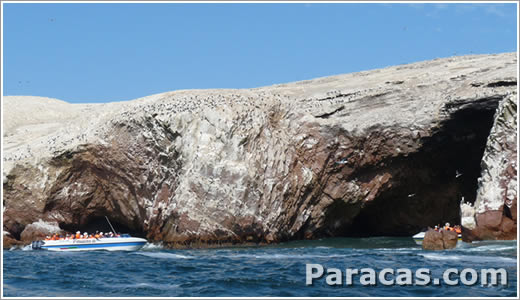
[
  {"x": 439, "y": 240},
  {"x": 490, "y": 220},
  {"x": 496, "y": 203},
  {"x": 449, "y": 239},
  {"x": 492, "y": 225},
  {"x": 9, "y": 242},
  {"x": 433, "y": 240},
  {"x": 514, "y": 211}
]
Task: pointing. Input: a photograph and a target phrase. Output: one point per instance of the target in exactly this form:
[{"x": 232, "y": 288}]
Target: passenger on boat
[
  {"x": 447, "y": 226},
  {"x": 457, "y": 229}
]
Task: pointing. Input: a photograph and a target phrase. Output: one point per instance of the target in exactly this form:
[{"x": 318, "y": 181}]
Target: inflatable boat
[
  {"x": 418, "y": 238},
  {"x": 122, "y": 243}
]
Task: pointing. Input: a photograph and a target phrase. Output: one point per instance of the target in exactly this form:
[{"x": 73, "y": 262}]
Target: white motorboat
[
  {"x": 418, "y": 238},
  {"x": 122, "y": 243}
]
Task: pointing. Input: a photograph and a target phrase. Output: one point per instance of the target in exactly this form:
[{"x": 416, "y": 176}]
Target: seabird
[
  {"x": 457, "y": 174},
  {"x": 342, "y": 162},
  {"x": 411, "y": 195}
]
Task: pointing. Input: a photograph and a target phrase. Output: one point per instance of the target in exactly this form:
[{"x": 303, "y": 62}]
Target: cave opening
[
  {"x": 428, "y": 186},
  {"x": 97, "y": 223}
]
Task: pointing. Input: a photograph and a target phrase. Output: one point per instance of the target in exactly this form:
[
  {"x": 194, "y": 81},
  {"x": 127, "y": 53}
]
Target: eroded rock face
[
  {"x": 39, "y": 230},
  {"x": 367, "y": 153},
  {"x": 494, "y": 215}
]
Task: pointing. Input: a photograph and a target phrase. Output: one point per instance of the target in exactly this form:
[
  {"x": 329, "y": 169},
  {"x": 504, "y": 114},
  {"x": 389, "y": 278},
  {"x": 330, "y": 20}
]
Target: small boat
[
  {"x": 124, "y": 242},
  {"x": 418, "y": 238}
]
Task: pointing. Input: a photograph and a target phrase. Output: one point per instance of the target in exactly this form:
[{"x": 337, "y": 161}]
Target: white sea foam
[
  {"x": 283, "y": 256},
  {"x": 21, "y": 247},
  {"x": 400, "y": 250},
  {"x": 163, "y": 255},
  {"x": 488, "y": 248},
  {"x": 157, "y": 286},
  {"x": 27, "y": 248},
  {"x": 152, "y": 246},
  {"x": 472, "y": 258}
]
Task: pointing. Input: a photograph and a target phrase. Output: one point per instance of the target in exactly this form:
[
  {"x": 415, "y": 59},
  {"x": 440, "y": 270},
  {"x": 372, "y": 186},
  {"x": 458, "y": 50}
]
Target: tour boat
[
  {"x": 124, "y": 242},
  {"x": 418, "y": 238}
]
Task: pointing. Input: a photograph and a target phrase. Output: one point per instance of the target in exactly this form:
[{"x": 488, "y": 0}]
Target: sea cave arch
[{"x": 428, "y": 186}]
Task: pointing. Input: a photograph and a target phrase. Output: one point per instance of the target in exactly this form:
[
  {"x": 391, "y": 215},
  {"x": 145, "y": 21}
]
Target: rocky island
[{"x": 380, "y": 152}]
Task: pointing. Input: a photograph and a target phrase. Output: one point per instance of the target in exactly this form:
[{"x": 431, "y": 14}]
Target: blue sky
[{"x": 112, "y": 52}]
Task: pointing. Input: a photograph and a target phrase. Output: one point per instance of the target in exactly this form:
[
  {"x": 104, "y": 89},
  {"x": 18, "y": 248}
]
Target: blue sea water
[{"x": 277, "y": 271}]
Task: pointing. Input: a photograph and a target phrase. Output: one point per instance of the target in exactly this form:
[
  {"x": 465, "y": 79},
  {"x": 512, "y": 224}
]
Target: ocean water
[{"x": 250, "y": 271}]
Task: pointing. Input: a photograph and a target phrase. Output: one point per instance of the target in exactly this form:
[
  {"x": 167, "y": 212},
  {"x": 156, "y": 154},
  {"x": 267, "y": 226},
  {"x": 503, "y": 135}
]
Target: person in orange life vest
[{"x": 458, "y": 229}]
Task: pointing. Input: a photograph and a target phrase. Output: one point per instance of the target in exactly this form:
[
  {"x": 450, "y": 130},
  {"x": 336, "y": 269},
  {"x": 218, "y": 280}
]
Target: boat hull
[{"x": 107, "y": 244}]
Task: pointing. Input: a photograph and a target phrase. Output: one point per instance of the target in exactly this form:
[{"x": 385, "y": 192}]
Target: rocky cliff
[
  {"x": 381, "y": 152},
  {"x": 494, "y": 213}
]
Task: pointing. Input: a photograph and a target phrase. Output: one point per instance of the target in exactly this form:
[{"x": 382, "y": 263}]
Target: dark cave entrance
[
  {"x": 96, "y": 223},
  {"x": 428, "y": 186}
]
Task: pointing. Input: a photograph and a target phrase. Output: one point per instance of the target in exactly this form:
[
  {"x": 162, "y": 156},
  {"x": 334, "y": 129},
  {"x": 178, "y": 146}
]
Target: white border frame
[{"x": 236, "y": 2}]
